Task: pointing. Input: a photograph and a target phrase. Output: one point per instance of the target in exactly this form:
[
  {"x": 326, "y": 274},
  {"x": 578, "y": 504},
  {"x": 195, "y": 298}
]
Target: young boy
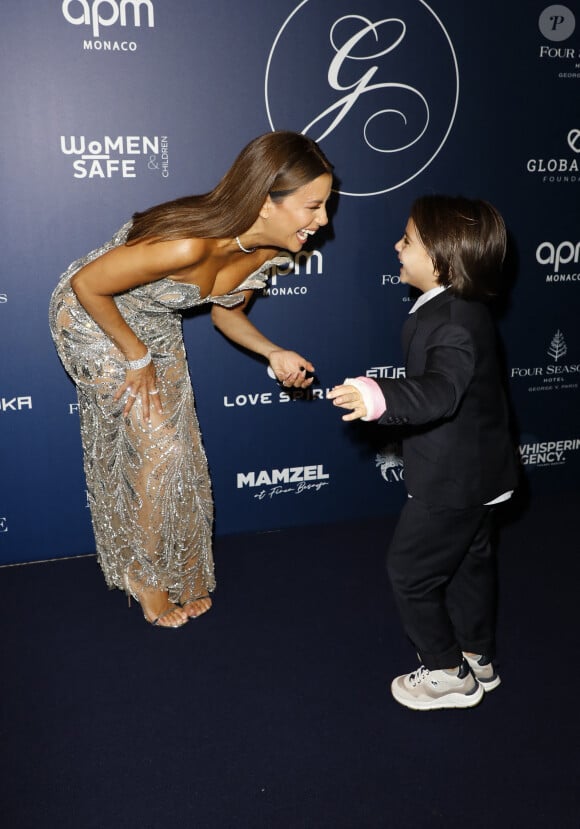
[{"x": 459, "y": 459}]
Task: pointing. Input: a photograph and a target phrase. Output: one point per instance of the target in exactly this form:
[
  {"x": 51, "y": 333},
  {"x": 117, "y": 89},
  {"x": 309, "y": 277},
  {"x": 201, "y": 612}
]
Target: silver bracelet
[{"x": 141, "y": 363}]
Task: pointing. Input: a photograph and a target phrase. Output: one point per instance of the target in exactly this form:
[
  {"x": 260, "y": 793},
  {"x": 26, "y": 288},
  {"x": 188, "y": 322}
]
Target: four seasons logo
[
  {"x": 555, "y": 375},
  {"x": 558, "y": 347}
]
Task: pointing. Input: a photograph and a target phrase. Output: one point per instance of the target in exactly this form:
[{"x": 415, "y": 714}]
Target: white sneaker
[
  {"x": 483, "y": 671},
  {"x": 425, "y": 690}
]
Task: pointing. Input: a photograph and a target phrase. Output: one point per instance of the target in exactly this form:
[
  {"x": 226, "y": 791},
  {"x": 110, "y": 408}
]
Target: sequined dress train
[{"x": 148, "y": 484}]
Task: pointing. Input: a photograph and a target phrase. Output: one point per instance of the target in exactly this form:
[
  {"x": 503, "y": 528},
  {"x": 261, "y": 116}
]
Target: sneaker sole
[
  {"x": 490, "y": 684},
  {"x": 487, "y": 683},
  {"x": 449, "y": 701}
]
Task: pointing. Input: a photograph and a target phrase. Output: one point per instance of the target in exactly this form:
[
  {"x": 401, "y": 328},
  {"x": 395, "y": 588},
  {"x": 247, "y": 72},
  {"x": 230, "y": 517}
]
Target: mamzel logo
[
  {"x": 100, "y": 14},
  {"x": 291, "y": 480},
  {"x": 109, "y": 157},
  {"x": 379, "y": 127}
]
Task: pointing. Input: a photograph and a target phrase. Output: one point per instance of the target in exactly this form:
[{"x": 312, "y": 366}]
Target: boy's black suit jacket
[{"x": 459, "y": 452}]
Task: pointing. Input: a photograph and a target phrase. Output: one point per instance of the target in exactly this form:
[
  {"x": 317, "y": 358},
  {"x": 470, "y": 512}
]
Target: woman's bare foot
[
  {"x": 157, "y": 609},
  {"x": 171, "y": 617},
  {"x": 197, "y": 607}
]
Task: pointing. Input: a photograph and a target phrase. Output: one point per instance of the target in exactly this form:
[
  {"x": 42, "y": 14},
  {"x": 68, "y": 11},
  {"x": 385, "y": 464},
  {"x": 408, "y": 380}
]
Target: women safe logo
[
  {"x": 112, "y": 156},
  {"x": 375, "y": 82}
]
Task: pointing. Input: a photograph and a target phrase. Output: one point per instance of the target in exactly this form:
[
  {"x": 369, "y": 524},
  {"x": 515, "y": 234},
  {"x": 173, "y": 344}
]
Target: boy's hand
[{"x": 347, "y": 397}]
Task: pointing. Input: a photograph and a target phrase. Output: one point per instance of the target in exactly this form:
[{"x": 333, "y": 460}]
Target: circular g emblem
[{"x": 375, "y": 82}]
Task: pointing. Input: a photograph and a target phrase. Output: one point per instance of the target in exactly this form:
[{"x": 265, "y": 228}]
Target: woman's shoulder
[
  {"x": 191, "y": 250},
  {"x": 187, "y": 247},
  {"x": 182, "y": 253}
]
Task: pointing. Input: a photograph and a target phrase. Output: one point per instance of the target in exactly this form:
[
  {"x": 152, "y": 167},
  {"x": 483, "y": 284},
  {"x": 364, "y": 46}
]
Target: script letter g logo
[
  {"x": 376, "y": 82},
  {"x": 363, "y": 86}
]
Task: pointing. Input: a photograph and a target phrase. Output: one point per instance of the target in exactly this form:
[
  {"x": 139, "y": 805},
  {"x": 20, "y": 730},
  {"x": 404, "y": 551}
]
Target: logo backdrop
[{"x": 110, "y": 106}]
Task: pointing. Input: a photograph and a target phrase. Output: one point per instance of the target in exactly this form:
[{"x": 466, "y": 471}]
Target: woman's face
[
  {"x": 291, "y": 221},
  {"x": 417, "y": 267}
]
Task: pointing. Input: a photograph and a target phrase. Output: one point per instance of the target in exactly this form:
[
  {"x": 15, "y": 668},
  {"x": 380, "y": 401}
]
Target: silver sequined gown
[{"x": 149, "y": 487}]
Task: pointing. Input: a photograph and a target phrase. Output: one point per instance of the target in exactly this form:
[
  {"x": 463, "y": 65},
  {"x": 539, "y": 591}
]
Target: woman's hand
[
  {"x": 347, "y": 397},
  {"x": 141, "y": 383},
  {"x": 290, "y": 368}
]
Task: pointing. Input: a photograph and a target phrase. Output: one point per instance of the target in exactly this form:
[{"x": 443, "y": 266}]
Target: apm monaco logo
[
  {"x": 304, "y": 265},
  {"x": 563, "y": 169},
  {"x": 379, "y": 122},
  {"x": 101, "y": 14},
  {"x": 555, "y": 375},
  {"x": 390, "y": 462},
  {"x": 547, "y": 452},
  {"x": 121, "y": 156},
  {"x": 556, "y": 256},
  {"x": 293, "y": 480}
]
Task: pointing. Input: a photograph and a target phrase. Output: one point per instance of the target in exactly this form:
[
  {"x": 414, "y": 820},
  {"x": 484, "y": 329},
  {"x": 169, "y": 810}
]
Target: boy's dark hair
[{"x": 466, "y": 240}]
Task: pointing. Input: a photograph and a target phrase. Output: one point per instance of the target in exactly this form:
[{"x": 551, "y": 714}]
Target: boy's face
[{"x": 417, "y": 269}]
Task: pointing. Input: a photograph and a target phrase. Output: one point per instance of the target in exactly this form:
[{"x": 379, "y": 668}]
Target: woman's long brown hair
[{"x": 274, "y": 164}]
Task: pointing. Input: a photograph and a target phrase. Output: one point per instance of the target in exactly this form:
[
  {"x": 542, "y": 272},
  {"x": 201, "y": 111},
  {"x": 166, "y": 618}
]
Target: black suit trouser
[{"x": 442, "y": 568}]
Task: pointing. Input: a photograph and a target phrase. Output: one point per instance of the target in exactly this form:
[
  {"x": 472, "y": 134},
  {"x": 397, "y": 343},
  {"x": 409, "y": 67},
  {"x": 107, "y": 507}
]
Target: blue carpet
[{"x": 273, "y": 710}]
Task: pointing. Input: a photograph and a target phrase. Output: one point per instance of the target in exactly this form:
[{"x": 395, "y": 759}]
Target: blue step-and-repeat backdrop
[{"x": 110, "y": 106}]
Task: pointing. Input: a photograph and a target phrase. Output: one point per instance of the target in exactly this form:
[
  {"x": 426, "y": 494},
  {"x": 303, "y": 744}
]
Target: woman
[{"x": 115, "y": 320}]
